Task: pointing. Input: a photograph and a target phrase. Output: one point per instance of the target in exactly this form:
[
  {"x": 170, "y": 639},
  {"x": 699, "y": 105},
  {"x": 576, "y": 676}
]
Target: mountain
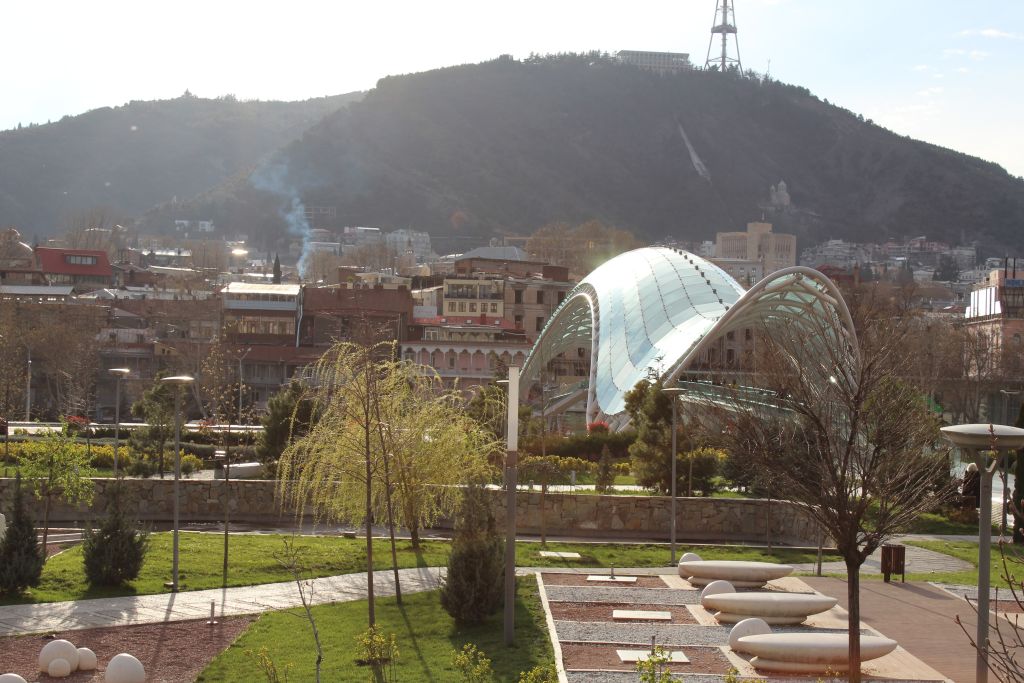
[
  {"x": 507, "y": 146},
  {"x": 126, "y": 159}
]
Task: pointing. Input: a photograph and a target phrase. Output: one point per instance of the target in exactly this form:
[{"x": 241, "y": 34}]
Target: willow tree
[{"x": 388, "y": 439}]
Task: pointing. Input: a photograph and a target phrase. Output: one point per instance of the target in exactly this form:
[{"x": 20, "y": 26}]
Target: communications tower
[{"x": 724, "y": 25}]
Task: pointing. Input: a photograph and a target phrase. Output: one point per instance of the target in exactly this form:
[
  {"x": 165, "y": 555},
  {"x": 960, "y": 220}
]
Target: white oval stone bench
[
  {"x": 809, "y": 652},
  {"x": 740, "y": 574},
  {"x": 773, "y": 608}
]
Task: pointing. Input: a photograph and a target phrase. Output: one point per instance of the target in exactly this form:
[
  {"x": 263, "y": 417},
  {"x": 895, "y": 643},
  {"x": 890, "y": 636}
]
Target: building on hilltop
[
  {"x": 773, "y": 250},
  {"x": 658, "y": 62}
]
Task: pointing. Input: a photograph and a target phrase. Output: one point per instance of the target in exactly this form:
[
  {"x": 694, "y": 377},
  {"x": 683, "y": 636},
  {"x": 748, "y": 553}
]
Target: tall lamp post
[
  {"x": 511, "y": 477},
  {"x": 977, "y": 439},
  {"x": 119, "y": 374},
  {"x": 179, "y": 382},
  {"x": 673, "y": 392}
]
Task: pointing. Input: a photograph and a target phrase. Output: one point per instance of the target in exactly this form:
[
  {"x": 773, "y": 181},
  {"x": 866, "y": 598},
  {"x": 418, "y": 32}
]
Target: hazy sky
[{"x": 946, "y": 71}]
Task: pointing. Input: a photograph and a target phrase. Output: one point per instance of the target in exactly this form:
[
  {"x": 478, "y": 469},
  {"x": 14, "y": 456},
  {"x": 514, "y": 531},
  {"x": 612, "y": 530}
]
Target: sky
[{"x": 946, "y": 71}]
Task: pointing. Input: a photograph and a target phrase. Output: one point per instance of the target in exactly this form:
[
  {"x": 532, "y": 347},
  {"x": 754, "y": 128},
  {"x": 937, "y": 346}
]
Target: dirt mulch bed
[
  {"x": 584, "y": 656},
  {"x": 559, "y": 579},
  {"x": 602, "y": 612},
  {"x": 1008, "y": 606},
  {"x": 171, "y": 653}
]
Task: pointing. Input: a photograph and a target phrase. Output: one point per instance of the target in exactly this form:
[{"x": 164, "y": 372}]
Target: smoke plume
[{"x": 273, "y": 177}]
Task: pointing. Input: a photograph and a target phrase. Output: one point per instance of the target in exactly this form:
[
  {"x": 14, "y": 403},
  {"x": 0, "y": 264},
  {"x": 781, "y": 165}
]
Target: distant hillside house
[
  {"x": 659, "y": 62},
  {"x": 193, "y": 227},
  {"x": 83, "y": 269}
]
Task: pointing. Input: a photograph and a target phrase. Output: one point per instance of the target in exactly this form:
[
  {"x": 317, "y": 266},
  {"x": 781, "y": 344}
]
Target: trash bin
[{"x": 894, "y": 561}]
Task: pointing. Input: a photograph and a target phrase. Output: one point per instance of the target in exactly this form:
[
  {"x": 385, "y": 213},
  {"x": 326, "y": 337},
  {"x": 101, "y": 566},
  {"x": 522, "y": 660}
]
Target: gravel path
[{"x": 644, "y": 596}]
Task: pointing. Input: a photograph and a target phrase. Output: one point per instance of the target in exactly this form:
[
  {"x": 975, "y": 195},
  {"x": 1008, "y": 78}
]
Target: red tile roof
[{"x": 53, "y": 260}]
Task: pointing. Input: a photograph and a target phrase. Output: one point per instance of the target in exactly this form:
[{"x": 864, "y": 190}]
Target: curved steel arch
[{"x": 656, "y": 309}]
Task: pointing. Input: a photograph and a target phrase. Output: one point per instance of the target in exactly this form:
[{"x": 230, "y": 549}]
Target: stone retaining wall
[{"x": 637, "y": 517}]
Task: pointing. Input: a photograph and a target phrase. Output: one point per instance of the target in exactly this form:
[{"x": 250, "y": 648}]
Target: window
[
  {"x": 540, "y": 296},
  {"x": 451, "y": 360},
  {"x": 80, "y": 260},
  {"x": 462, "y": 307},
  {"x": 451, "y": 306},
  {"x": 730, "y": 335},
  {"x": 561, "y": 297},
  {"x": 540, "y": 323},
  {"x": 494, "y": 307},
  {"x": 472, "y": 307},
  {"x": 518, "y": 293},
  {"x": 519, "y": 322}
]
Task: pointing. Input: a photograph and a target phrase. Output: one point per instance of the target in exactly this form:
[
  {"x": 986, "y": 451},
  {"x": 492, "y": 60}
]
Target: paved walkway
[
  {"x": 149, "y": 609},
  {"x": 920, "y": 617},
  {"x": 919, "y": 560}
]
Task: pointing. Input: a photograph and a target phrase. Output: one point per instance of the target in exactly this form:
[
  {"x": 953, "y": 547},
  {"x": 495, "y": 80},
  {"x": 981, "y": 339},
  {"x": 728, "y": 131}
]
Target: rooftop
[{"x": 260, "y": 288}]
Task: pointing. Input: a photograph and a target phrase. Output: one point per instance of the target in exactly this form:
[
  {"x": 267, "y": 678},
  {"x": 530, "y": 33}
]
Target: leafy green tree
[
  {"x": 156, "y": 408},
  {"x": 114, "y": 553},
  {"x": 287, "y": 418},
  {"x": 705, "y": 463},
  {"x": 650, "y": 410},
  {"x": 61, "y": 470},
  {"x": 21, "y": 556},
  {"x": 474, "y": 584}
]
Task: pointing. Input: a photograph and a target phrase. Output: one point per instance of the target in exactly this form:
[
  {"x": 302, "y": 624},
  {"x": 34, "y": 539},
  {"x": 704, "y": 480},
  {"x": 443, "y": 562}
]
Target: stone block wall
[{"x": 588, "y": 516}]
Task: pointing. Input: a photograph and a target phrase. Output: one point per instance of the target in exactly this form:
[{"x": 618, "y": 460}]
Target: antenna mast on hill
[{"x": 724, "y": 25}]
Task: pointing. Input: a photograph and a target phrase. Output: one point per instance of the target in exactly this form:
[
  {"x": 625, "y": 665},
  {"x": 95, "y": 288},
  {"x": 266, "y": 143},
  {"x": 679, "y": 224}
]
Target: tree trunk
[
  {"x": 853, "y": 602},
  {"x": 227, "y": 501},
  {"x": 543, "y": 526},
  {"x": 369, "y": 526},
  {"x": 414, "y": 535},
  {"x": 46, "y": 519},
  {"x": 391, "y": 531},
  {"x": 162, "y": 443}
]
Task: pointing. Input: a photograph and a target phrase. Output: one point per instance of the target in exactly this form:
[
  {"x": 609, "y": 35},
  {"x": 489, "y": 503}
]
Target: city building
[
  {"x": 659, "y": 62},
  {"x": 774, "y": 251},
  {"x": 996, "y": 314},
  {"x": 83, "y": 269}
]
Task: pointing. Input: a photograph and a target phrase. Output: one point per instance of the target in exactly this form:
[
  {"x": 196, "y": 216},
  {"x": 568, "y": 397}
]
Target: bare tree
[
  {"x": 291, "y": 559},
  {"x": 844, "y": 435}
]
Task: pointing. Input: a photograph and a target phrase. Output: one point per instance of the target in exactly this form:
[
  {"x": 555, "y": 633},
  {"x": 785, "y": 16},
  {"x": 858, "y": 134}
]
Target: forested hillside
[{"x": 126, "y": 159}]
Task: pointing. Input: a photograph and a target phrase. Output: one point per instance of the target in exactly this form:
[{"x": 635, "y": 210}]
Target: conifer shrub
[
  {"x": 605, "y": 471},
  {"x": 475, "y": 582},
  {"x": 114, "y": 553},
  {"x": 21, "y": 557}
]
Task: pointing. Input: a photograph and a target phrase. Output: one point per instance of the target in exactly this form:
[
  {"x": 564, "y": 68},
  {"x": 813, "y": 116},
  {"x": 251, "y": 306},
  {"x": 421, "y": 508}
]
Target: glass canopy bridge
[{"x": 655, "y": 311}]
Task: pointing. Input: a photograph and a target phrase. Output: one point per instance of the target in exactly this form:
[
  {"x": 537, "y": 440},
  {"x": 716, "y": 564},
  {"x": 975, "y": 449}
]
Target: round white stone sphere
[
  {"x": 86, "y": 659},
  {"x": 58, "y": 649},
  {"x": 747, "y": 627},
  {"x": 124, "y": 668},
  {"x": 59, "y": 668},
  {"x": 12, "y": 678},
  {"x": 716, "y": 587},
  {"x": 690, "y": 557}
]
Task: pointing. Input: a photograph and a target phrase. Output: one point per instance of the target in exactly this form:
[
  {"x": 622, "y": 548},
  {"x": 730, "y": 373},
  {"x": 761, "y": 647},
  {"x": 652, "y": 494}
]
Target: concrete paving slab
[
  {"x": 634, "y": 656},
  {"x": 644, "y": 614}
]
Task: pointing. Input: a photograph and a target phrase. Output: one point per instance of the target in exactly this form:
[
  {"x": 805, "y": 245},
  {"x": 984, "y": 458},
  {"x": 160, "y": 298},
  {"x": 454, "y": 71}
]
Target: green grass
[
  {"x": 425, "y": 633},
  {"x": 938, "y": 523},
  {"x": 252, "y": 561},
  {"x": 967, "y": 550}
]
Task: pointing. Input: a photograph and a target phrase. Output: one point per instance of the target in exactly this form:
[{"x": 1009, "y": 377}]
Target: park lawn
[
  {"x": 252, "y": 561},
  {"x": 938, "y": 523},
  {"x": 968, "y": 550},
  {"x": 425, "y": 634}
]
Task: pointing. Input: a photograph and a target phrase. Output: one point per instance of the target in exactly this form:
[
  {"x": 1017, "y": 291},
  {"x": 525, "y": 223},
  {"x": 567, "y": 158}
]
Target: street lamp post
[
  {"x": 28, "y": 390},
  {"x": 119, "y": 374},
  {"x": 179, "y": 382},
  {"x": 511, "y": 476},
  {"x": 976, "y": 439},
  {"x": 240, "y": 359},
  {"x": 674, "y": 392}
]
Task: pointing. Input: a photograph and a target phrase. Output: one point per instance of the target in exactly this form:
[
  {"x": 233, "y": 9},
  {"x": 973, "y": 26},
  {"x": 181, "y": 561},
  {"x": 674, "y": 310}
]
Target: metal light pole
[
  {"x": 673, "y": 392},
  {"x": 179, "y": 382},
  {"x": 119, "y": 374},
  {"x": 976, "y": 439},
  {"x": 1007, "y": 393},
  {"x": 28, "y": 390},
  {"x": 511, "y": 476},
  {"x": 240, "y": 359}
]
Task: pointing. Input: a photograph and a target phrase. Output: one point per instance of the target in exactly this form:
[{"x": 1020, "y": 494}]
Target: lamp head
[
  {"x": 179, "y": 380},
  {"x": 979, "y": 436},
  {"x": 119, "y": 372}
]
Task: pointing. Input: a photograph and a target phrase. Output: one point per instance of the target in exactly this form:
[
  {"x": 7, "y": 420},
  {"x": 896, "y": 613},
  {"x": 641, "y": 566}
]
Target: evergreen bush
[
  {"x": 114, "y": 553},
  {"x": 605, "y": 471},
  {"x": 21, "y": 557},
  {"x": 475, "y": 582}
]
